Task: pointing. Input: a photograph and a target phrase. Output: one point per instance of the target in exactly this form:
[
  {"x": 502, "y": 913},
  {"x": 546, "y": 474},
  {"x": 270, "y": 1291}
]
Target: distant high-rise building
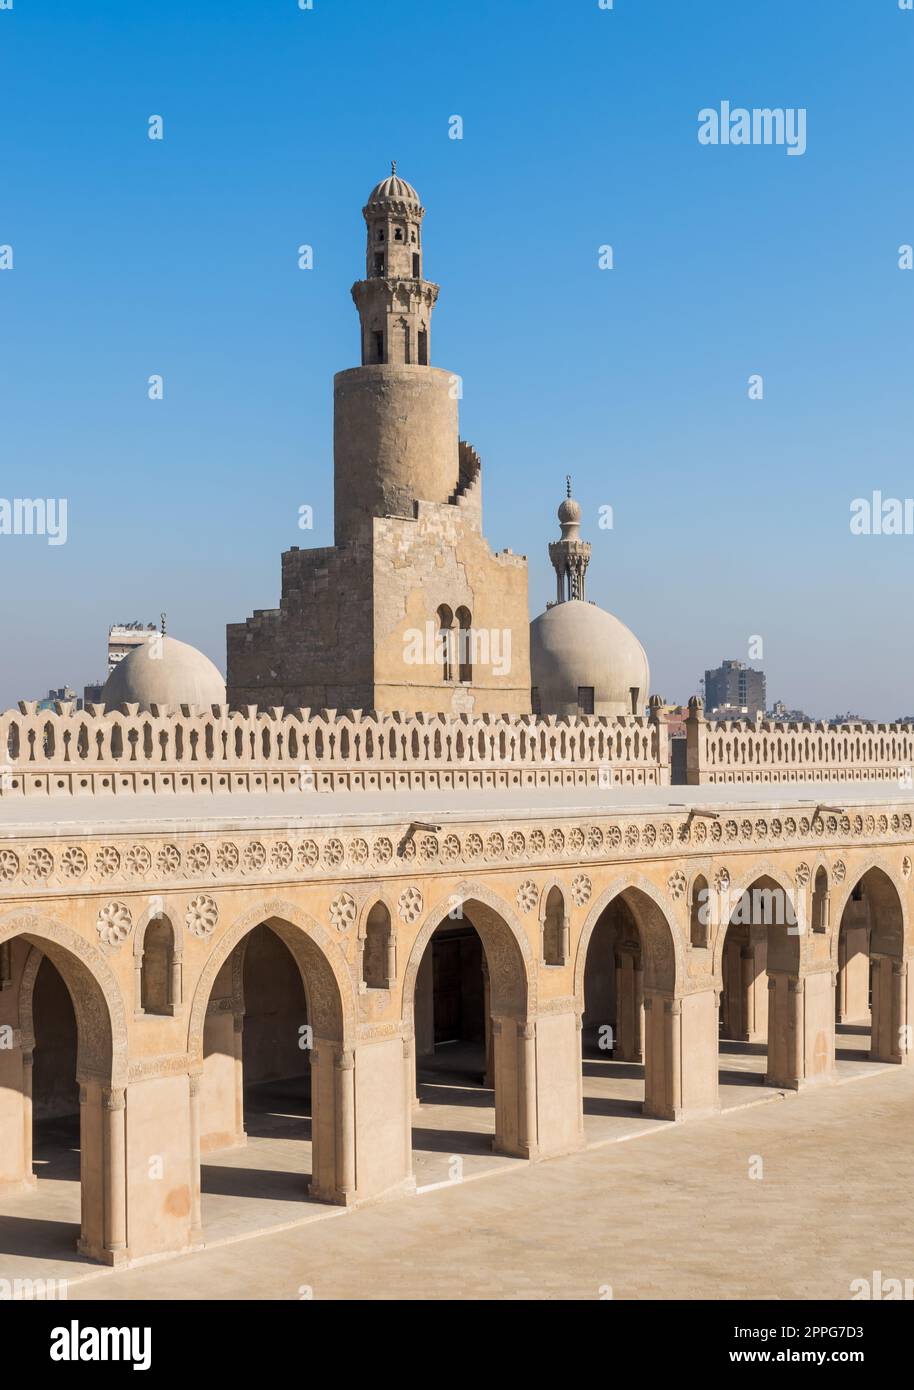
[
  {"x": 734, "y": 689},
  {"x": 123, "y": 638}
]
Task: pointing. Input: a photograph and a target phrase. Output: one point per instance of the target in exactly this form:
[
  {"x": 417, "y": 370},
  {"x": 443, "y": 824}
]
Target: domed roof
[
  {"x": 164, "y": 671},
  {"x": 575, "y": 644},
  {"x": 393, "y": 189}
]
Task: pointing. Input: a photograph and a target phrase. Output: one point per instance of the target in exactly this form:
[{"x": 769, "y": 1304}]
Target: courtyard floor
[{"x": 674, "y": 1215}]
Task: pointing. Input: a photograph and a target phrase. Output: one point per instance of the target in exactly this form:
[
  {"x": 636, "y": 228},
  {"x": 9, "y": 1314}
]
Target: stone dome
[
  {"x": 393, "y": 189},
  {"x": 569, "y": 511},
  {"x": 576, "y": 644},
  {"x": 179, "y": 675}
]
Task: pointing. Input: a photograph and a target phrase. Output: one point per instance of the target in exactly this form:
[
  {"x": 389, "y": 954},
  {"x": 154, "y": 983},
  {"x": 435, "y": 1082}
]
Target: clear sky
[{"x": 179, "y": 257}]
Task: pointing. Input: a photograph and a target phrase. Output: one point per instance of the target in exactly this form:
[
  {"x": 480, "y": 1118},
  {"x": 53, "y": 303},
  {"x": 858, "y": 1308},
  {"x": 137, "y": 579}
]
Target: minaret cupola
[
  {"x": 394, "y": 301},
  {"x": 570, "y": 556}
]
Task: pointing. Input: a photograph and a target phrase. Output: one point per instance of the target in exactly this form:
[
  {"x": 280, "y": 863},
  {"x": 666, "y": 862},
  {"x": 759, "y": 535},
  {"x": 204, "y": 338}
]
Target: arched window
[
  {"x": 464, "y": 644},
  {"x": 423, "y": 346},
  {"x": 555, "y": 929},
  {"x": 700, "y": 913},
  {"x": 820, "y": 902},
  {"x": 159, "y": 981},
  {"x": 404, "y": 331},
  {"x": 445, "y": 643},
  {"x": 378, "y": 953}
]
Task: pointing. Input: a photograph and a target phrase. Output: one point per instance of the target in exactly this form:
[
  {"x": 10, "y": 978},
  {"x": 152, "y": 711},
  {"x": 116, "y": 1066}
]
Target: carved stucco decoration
[
  {"x": 581, "y": 889},
  {"x": 9, "y": 864},
  {"x": 201, "y": 916},
  {"x": 114, "y": 923},
  {"x": 802, "y": 875},
  {"x": 905, "y": 868},
  {"x": 527, "y": 895},
  {"x": 409, "y": 904},
  {"x": 343, "y": 911},
  {"x": 677, "y": 884},
  {"x": 74, "y": 862}
]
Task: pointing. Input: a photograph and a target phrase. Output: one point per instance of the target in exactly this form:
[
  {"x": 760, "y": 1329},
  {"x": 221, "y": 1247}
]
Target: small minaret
[
  {"x": 394, "y": 302},
  {"x": 570, "y": 556}
]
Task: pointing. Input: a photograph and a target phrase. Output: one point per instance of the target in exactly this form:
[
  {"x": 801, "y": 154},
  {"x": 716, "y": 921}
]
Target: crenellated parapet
[
  {"x": 104, "y": 752},
  {"x": 748, "y": 750}
]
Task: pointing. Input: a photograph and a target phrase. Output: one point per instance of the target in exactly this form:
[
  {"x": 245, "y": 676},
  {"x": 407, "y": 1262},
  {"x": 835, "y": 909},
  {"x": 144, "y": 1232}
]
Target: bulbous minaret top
[
  {"x": 394, "y": 302},
  {"x": 570, "y": 556}
]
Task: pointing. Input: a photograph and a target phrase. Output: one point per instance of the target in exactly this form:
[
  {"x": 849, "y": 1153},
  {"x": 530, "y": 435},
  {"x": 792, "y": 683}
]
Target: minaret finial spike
[
  {"x": 393, "y": 166},
  {"x": 567, "y": 484},
  {"x": 162, "y": 619}
]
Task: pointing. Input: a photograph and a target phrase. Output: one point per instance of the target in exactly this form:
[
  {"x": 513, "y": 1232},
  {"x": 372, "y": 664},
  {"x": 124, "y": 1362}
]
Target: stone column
[
  {"x": 115, "y": 1174},
  {"x": 681, "y": 1054},
  {"x": 177, "y": 981},
  {"x": 853, "y": 995},
  {"x": 888, "y": 1040},
  {"x": 786, "y": 1030},
  {"x": 196, "y": 1199},
  {"x": 238, "y": 1048},
  {"x": 344, "y": 1071},
  {"x": 28, "y": 1062},
  {"x": 527, "y": 1119}
]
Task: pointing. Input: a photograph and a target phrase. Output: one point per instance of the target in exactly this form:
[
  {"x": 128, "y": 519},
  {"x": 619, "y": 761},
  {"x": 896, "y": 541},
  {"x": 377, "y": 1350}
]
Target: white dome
[
  {"x": 164, "y": 671},
  {"x": 576, "y": 644}
]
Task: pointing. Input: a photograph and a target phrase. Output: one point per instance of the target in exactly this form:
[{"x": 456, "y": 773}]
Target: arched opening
[
  {"x": 267, "y": 1028},
  {"x": 646, "y": 1043},
  {"x": 445, "y": 642},
  {"x": 378, "y": 950},
  {"x": 870, "y": 994},
  {"x": 464, "y": 644},
  {"x": 821, "y": 900},
  {"x": 62, "y": 1132},
  {"x": 467, "y": 992},
  {"x": 55, "y": 1091},
  {"x": 613, "y": 1019},
  {"x": 700, "y": 913},
  {"x": 769, "y": 1033},
  {"x": 158, "y": 967},
  {"x": 555, "y": 928}
]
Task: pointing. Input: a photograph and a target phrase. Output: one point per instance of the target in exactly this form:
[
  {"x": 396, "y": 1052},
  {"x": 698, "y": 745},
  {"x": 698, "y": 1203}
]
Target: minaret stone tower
[
  {"x": 410, "y": 609},
  {"x": 394, "y": 302},
  {"x": 570, "y": 556}
]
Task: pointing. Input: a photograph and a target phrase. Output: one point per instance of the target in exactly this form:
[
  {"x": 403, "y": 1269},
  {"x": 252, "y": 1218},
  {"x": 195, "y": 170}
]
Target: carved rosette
[
  {"x": 9, "y": 864},
  {"x": 201, "y": 916},
  {"x": 905, "y": 867},
  {"x": 73, "y": 862},
  {"x": 40, "y": 862},
  {"x": 677, "y": 884},
  {"x": 409, "y": 904},
  {"x": 342, "y": 911},
  {"x": 527, "y": 895},
  {"x": 114, "y": 923},
  {"x": 581, "y": 889},
  {"x": 802, "y": 875}
]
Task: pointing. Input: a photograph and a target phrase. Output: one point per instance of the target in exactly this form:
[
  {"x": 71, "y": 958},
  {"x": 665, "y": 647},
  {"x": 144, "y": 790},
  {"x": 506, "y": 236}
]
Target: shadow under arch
[
  {"x": 870, "y": 944},
  {"x": 512, "y": 968},
  {"x": 652, "y": 911},
  {"x": 331, "y": 1012},
  {"x": 100, "y": 1073},
  {"x": 460, "y": 1113},
  {"x": 97, "y": 1002},
  {"x": 759, "y": 872},
  {"x": 635, "y": 983},
  {"x": 325, "y": 974}
]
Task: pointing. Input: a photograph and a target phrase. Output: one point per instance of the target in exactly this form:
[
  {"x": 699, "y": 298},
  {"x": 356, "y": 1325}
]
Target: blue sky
[{"x": 178, "y": 257}]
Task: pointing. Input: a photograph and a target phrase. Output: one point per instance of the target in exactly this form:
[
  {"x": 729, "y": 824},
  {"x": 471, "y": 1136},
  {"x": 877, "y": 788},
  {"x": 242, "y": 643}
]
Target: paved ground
[{"x": 674, "y": 1214}]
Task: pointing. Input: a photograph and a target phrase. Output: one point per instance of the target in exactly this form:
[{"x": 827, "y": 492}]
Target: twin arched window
[{"x": 455, "y": 643}]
